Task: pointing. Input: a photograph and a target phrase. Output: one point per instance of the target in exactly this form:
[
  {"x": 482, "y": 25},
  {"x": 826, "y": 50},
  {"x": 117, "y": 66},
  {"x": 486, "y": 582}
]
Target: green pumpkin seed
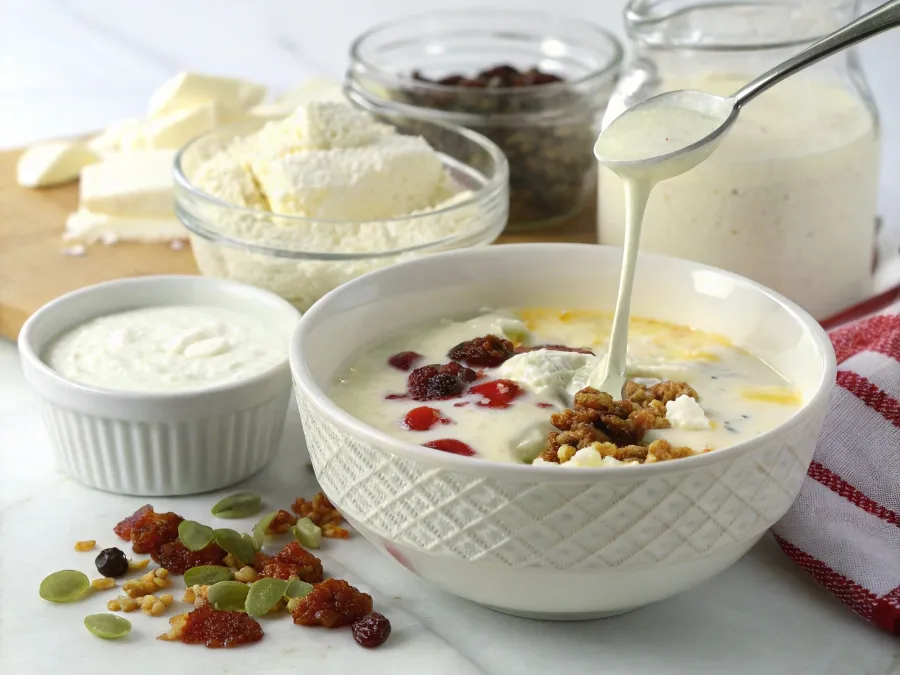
[
  {"x": 206, "y": 575},
  {"x": 236, "y": 545},
  {"x": 264, "y": 595},
  {"x": 228, "y": 595},
  {"x": 194, "y": 535},
  {"x": 308, "y": 533},
  {"x": 261, "y": 529},
  {"x": 240, "y": 505},
  {"x": 64, "y": 586},
  {"x": 107, "y": 626},
  {"x": 297, "y": 589}
]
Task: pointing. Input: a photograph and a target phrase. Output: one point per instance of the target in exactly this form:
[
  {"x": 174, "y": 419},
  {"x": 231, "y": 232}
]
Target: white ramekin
[
  {"x": 157, "y": 444},
  {"x": 540, "y": 541}
]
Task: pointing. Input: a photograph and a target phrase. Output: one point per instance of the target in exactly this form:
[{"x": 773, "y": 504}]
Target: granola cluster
[{"x": 616, "y": 428}]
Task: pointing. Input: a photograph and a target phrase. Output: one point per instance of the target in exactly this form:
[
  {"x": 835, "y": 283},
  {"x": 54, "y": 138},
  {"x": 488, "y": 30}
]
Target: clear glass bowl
[
  {"x": 300, "y": 258},
  {"x": 547, "y": 131}
]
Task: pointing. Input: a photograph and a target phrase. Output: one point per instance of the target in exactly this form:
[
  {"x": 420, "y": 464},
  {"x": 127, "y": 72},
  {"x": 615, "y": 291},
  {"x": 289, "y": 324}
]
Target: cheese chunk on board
[
  {"x": 88, "y": 227},
  {"x": 395, "y": 175},
  {"x": 130, "y": 184},
  {"x": 186, "y": 90},
  {"x": 53, "y": 163}
]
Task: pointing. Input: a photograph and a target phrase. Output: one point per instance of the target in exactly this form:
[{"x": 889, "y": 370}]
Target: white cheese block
[
  {"x": 323, "y": 125},
  {"x": 175, "y": 129},
  {"x": 393, "y": 176},
  {"x": 130, "y": 184},
  {"x": 186, "y": 90},
  {"x": 53, "y": 163},
  {"x": 115, "y": 136},
  {"x": 226, "y": 177},
  {"x": 83, "y": 225}
]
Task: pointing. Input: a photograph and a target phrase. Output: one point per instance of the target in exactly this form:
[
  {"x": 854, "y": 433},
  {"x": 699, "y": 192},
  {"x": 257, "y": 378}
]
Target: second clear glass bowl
[
  {"x": 546, "y": 130},
  {"x": 300, "y": 258}
]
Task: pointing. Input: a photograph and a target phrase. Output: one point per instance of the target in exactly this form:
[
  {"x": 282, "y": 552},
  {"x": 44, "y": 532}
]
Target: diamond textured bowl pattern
[{"x": 669, "y": 518}]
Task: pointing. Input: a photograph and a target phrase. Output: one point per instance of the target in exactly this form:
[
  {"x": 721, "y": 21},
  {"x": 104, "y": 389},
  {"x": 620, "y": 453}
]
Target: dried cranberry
[
  {"x": 123, "y": 529},
  {"x": 497, "y": 393},
  {"x": 452, "y": 446},
  {"x": 483, "y": 352},
  {"x": 372, "y": 630},
  {"x": 404, "y": 360},
  {"x": 111, "y": 562},
  {"x": 436, "y": 382},
  {"x": 423, "y": 418},
  {"x": 217, "y": 629},
  {"x": 332, "y": 603},
  {"x": 555, "y": 348}
]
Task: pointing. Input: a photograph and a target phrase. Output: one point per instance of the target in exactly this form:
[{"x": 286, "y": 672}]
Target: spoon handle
[{"x": 880, "y": 19}]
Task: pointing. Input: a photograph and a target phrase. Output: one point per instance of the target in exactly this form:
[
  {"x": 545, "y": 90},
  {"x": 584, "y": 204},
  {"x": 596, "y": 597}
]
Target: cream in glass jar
[{"x": 789, "y": 197}]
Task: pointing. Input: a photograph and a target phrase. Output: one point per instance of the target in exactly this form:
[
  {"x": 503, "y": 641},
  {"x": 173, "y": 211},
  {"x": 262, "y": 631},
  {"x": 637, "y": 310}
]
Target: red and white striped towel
[{"x": 844, "y": 528}]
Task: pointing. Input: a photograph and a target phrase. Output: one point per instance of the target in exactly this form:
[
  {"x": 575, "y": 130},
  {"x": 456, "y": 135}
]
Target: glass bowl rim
[
  {"x": 637, "y": 19},
  {"x": 614, "y": 62}
]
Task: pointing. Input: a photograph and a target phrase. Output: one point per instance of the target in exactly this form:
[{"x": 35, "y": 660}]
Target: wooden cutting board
[{"x": 35, "y": 270}]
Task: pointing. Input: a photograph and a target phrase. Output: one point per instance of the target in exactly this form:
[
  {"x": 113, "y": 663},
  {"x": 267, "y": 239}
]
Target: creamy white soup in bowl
[{"x": 452, "y": 414}]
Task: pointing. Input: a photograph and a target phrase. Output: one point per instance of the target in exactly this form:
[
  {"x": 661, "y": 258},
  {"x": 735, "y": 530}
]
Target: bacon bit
[{"x": 452, "y": 446}]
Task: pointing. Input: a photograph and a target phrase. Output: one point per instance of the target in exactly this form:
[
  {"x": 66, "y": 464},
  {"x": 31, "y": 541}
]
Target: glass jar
[
  {"x": 547, "y": 130},
  {"x": 789, "y": 197}
]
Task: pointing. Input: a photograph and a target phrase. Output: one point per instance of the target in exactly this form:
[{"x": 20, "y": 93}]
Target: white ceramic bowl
[
  {"x": 537, "y": 541},
  {"x": 159, "y": 443}
]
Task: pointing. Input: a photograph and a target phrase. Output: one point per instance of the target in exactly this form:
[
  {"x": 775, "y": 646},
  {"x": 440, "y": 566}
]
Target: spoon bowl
[{"x": 682, "y": 157}]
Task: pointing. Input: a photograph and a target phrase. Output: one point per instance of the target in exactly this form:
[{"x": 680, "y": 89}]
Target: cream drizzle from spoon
[{"x": 670, "y": 134}]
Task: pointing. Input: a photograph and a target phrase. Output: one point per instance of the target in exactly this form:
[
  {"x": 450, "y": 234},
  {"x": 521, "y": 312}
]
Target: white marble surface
[{"x": 72, "y": 66}]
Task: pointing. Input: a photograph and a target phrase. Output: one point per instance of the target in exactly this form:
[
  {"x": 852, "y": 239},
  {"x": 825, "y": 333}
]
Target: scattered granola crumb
[
  {"x": 103, "y": 584},
  {"x": 86, "y": 545}
]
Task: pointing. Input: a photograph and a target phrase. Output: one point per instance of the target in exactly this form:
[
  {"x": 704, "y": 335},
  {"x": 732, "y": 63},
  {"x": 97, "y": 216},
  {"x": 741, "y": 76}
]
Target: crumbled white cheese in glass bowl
[{"x": 338, "y": 177}]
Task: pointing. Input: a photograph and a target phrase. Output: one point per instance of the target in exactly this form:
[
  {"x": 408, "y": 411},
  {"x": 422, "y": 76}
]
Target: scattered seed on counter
[{"x": 86, "y": 545}]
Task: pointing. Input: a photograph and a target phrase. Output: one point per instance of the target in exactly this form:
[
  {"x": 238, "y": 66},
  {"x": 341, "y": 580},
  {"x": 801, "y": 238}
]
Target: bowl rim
[
  {"x": 614, "y": 62},
  {"x": 493, "y": 188},
  {"x": 32, "y": 358},
  {"x": 526, "y": 473}
]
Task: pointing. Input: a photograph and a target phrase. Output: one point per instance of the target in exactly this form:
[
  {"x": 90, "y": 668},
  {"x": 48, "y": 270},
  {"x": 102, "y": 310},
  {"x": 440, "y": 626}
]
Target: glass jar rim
[
  {"x": 642, "y": 15},
  {"x": 357, "y": 60}
]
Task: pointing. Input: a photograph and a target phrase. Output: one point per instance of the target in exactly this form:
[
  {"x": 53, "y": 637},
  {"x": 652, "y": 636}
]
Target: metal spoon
[{"x": 610, "y": 373}]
